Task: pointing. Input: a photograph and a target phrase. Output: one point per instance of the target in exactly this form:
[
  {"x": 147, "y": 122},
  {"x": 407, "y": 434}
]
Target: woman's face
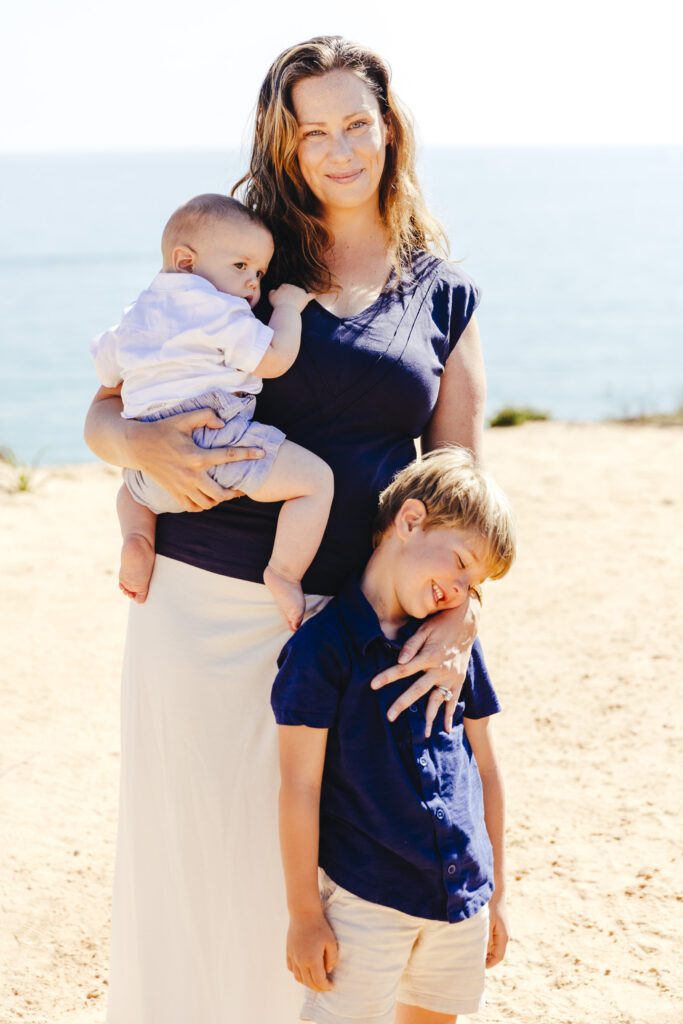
[{"x": 342, "y": 139}]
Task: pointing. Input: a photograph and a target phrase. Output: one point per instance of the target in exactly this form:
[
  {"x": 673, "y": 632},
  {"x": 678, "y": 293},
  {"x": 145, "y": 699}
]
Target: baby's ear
[{"x": 183, "y": 259}]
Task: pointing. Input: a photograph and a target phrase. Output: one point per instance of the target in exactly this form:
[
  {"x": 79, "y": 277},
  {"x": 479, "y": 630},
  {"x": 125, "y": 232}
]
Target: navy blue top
[
  {"x": 362, "y": 388},
  {"x": 401, "y": 816}
]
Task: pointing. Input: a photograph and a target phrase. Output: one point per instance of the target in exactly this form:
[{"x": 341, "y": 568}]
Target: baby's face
[{"x": 234, "y": 257}]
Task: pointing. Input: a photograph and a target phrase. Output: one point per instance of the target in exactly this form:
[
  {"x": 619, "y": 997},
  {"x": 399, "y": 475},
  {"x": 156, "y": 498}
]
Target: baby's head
[
  {"x": 450, "y": 527},
  {"x": 221, "y": 240}
]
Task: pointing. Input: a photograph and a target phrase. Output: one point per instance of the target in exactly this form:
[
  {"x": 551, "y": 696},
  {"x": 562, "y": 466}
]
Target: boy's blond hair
[
  {"x": 196, "y": 214},
  {"x": 458, "y": 495}
]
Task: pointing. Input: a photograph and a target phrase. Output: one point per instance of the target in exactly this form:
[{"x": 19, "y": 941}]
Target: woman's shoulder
[
  {"x": 445, "y": 273},
  {"x": 454, "y": 296}
]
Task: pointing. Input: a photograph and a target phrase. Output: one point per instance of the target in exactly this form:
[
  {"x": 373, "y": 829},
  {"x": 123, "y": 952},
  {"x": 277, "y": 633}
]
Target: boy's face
[
  {"x": 436, "y": 568},
  {"x": 234, "y": 257}
]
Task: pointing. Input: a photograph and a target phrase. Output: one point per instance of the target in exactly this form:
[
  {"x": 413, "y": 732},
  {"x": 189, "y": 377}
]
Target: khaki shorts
[{"x": 388, "y": 957}]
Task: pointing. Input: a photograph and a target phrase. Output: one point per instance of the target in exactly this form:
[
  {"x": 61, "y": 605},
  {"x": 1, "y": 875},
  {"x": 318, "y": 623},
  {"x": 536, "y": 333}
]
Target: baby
[{"x": 191, "y": 341}]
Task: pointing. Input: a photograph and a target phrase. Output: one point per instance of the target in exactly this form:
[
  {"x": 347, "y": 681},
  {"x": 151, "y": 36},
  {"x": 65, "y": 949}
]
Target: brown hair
[
  {"x": 458, "y": 495},
  {"x": 275, "y": 189},
  {"x": 196, "y": 213}
]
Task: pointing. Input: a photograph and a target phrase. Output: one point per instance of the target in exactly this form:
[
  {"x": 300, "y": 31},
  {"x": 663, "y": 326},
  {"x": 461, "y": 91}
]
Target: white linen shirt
[{"x": 180, "y": 339}]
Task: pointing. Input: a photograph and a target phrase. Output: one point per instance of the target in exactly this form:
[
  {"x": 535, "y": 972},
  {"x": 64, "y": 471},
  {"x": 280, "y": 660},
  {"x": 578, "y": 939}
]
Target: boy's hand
[
  {"x": 499, "y": 932},
  {"x": 312, "y": 951},
  {"x": 290, "y": 295}
]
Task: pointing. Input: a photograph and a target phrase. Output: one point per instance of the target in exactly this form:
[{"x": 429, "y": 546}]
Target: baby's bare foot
[
  {"x": 289, "y": 597},
  {"x": 137, "y": 563}
]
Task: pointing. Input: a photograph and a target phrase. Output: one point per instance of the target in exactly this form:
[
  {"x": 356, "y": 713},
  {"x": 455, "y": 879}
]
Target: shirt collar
[
  {"x": 361, "y": 618},
  {"x": 167, "y": 280}
]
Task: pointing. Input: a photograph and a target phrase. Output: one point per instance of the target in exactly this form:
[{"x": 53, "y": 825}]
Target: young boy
[
  {"x": 408, "y": 906},
  {"x": 190, "y": 341}
]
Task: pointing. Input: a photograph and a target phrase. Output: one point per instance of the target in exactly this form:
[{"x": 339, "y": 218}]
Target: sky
[{"x": 147, "y": 74}]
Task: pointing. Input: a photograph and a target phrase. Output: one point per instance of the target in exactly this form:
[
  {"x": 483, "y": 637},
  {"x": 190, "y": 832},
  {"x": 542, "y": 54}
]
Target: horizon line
[{"x": 238, "y": 147}]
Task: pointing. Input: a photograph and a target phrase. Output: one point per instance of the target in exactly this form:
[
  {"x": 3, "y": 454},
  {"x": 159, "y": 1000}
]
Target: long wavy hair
[{"x": 274, "y": 187}]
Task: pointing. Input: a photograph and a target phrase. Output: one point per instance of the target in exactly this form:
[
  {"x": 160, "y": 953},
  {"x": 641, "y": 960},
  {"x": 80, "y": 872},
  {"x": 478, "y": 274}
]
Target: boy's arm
[
  {"x": 479, "y": 734},
  {"x": 311, "y": 945},
  {"x": 288, "y": 303}
]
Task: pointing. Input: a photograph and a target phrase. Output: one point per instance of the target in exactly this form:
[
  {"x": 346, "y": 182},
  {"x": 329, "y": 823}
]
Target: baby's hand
[
  {"x": 312, "y": 951},
  {"x": 290, "y": 295}
]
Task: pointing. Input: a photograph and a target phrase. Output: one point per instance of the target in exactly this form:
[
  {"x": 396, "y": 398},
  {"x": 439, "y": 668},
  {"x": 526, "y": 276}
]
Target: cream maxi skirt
[{"x": 199, "y": 916}]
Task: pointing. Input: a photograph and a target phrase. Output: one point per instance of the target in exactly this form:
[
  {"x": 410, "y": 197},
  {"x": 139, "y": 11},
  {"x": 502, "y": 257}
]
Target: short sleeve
[
  {"x": 465, "y": 297},
  {"x": 310, "y": 678},
  {"x": 478, "y": 694},
  {"x": 244, "y": 339},
  {"x": 104, "y": 350}
]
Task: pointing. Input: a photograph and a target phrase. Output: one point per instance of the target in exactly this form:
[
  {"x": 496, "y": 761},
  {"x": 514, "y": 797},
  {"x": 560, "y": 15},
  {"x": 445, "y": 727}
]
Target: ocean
[{"x": 578, "y": 251}]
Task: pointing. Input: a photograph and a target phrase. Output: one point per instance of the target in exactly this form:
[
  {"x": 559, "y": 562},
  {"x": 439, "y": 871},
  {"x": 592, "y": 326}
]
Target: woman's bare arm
[
  {"x": 163, "y": 449},
  {"x": 105, "y": 432},
  {"x": 459, "y": 414}
]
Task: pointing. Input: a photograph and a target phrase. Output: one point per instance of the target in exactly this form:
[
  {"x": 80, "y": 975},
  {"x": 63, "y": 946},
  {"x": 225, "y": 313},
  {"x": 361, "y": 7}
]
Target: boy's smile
[
  {"x": 437, "y": 568},
  {"x": 418, "y": 570}
]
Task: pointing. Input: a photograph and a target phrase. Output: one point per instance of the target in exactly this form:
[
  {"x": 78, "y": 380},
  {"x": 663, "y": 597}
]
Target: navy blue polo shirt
[{"x": 401, "y": 816}]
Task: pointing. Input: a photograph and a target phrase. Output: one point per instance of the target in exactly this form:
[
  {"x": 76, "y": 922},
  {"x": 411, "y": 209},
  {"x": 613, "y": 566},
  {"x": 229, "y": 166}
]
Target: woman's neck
[
  {"x": 359, "y": 260},
  {"x": 354, "y": 231}
]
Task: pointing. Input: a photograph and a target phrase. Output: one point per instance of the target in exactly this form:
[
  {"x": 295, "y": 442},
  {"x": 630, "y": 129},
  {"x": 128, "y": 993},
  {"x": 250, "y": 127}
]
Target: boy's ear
[
  {"x": 412, "y": 514},
  {"x": 183, "y": 259}
]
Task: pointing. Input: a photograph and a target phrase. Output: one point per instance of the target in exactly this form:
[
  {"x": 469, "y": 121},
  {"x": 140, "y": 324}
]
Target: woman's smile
[{"x": 345, "y": 179}]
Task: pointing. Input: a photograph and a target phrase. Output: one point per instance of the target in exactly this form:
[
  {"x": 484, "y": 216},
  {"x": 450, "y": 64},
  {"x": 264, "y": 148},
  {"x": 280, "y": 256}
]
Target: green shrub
[
  {"x": 18, "y": 476},
  {"x": 513, "y": 415},
  {"x": 655, "y": 419}
]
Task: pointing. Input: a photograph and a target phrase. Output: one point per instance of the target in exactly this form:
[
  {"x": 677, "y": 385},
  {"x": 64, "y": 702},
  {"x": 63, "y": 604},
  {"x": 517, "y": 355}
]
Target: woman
[{"x": 390, "y": 352}]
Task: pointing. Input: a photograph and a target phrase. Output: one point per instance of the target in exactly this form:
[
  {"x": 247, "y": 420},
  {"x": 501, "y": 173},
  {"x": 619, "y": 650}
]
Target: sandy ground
[{"x": 584, "y": 641}]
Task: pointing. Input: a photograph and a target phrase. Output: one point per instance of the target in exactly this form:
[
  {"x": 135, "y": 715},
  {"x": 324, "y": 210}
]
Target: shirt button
[
  {"x": 440, "y": 815},
  {"x": 451, "y": 869},
  {"x": 423, "y": 761},
  {"x": 413, "y": 707}
]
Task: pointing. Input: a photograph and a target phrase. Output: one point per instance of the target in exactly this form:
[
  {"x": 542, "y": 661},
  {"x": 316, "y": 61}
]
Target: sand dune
[{"x": 584, "y": 640}]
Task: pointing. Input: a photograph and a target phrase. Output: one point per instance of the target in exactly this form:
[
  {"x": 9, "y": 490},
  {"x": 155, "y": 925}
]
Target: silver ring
[{"x": 447, "y": 694}]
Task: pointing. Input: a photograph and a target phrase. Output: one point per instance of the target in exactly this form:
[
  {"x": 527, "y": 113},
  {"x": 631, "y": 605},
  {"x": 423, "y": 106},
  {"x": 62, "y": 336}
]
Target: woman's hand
[
  {"x": 312, "y": 951},
  {"x": 441, "y": 650},
  {"x": 165, "y": 450}
]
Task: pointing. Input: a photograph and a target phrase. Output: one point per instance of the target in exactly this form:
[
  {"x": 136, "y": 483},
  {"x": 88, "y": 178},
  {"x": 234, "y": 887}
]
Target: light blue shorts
[{"x": 240, "y": 431}]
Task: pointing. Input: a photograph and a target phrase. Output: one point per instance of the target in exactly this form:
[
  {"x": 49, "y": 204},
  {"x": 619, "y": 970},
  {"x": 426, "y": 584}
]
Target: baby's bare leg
[
  {"x": 416, "y": 1015},
  {"x": 306, "y": 484},
  {"x": 138, "y": 527}
]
